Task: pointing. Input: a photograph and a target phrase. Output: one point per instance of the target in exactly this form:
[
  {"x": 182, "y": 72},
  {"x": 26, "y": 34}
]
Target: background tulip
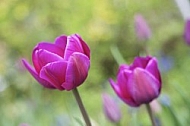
[
  {"x": 187, "y": 32},
  {"x": 138, "y": 83},
  {"x": 111, "y": 108},
  {"x": 63, "y": 65},
  {"x": 142, "y": 29}
]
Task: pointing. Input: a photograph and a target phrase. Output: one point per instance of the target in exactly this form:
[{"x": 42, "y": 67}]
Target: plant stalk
[
  {"x": 81, "y": 106},
  {"x": 150, "y": 114}
]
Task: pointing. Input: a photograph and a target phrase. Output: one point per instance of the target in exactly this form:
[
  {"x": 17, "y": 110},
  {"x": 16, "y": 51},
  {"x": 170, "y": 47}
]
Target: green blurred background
[{"x": 102, "y": 24}]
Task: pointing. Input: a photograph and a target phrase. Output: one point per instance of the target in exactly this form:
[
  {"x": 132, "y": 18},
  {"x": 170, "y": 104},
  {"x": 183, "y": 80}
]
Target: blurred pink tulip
[
  {"x": 24, "y": 124},
  {"x": 63, "y": 65},
  {"x": 187, "y": 32},
  {"x": 142, "y": 29},
  {"x": 138, "y": 83},
  {"x": 155, "y": 106},
  {"x": 111, "y": 108}
]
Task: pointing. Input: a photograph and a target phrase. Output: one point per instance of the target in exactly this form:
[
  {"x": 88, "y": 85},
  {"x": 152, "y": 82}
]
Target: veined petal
[
  {"x": 35, "y": 75},
  {"x": 152, "y": 67},
  {"x": 61, "y": 41},
  {"x": 77, "y": 70},
  {"x": 41, "y": 57},
  {"x": 76, "y": 44},
  {"x": 143, "y": 86},
  {"x": 50, "y": 47},
  {"x": 54, "y": 73}
]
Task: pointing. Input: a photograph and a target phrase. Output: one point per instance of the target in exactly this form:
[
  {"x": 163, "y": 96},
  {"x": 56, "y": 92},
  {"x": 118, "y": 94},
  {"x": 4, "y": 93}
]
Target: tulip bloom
[
  {"x": 187, "y": 32},
  {"x": 63, "y": 65},
  {"x": 138, "y": 83},
  {"x": 111, "y": 109},
  {"x": 142, "y": 29}
]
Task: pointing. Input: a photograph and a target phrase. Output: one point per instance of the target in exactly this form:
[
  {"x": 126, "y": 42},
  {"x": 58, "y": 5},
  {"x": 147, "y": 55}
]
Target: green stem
[
  {"x": 81, "y": 106},
  {"x": 118, "y": 124},
  {"x": 150, "y": 114}
]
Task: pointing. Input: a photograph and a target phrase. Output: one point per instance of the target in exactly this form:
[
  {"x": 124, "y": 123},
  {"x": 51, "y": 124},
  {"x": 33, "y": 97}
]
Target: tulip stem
[
  {"x": 150, "y": 114},
  {"x": 81, "y": 106}
]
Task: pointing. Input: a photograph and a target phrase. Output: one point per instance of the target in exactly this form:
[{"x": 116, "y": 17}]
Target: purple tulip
[
  {"x": 187, "y": 32},
  {"x": 63, "y": 65},
  {"x": 142, "y": 29},
  {"x": 138, "y": 83},
  {"x": 111, "y": 108}
]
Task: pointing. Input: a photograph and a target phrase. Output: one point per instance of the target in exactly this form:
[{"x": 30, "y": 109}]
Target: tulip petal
[
  {"x": 152, "y": 67},
  {"x": 35, "y": 75},
  {"x": 77, "y": 70},
  {"x": 76, "y": 44},
  {"x": 140, "y": 62},
  {"x": 123, "y": 67},
  {"x": 115, "y": 87},
  {"x": 143, "y": 86},
  {"x": 186, "y": 34},
  {"x": 54, "y": 73},
  {"x": 122, "y": 79},
  {"x": 61, "y": 41},
  {"x": 50, "y": 47},
  {"x": 41, "y": 57}
]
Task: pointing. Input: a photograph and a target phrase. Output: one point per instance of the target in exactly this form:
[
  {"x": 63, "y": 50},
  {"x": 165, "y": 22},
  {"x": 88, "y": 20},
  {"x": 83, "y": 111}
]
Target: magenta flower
[
  {"x": 138, "y": 83},
  {"x": 111, "y": 108},
  {"x": 187, "y": 32},
  {"x": 142, "y": 29},
  {"x": 63, "y": 65}
]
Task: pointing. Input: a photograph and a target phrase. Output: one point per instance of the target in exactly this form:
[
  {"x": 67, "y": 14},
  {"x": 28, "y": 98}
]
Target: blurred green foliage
[{"x": 102, "y": 24}]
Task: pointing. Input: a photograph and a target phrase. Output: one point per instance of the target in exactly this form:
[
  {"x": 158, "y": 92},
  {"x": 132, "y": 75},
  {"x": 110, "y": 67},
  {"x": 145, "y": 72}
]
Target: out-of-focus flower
[
  {"x": 111, "y": 108},
  {"x": 187, "y": 32},
  {"x": 63, "y": 65},
  {"x": 142, "y": 29},
  {"x": 138, "y": 83},
  {"x": 155, "y": 106},
  {"x": 24, "y": 124}
]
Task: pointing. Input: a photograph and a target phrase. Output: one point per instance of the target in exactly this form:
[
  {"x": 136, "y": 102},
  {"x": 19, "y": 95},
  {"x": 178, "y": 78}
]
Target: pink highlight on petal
[
  {"x": 50, "y": 47},
  {"x": 152, "y": 67},
  {"x": 144, "y": 87},
  {"x": 54, "y": 73},
  {"x": 77, "y": 70},
  {"x": 76, "y": 44}
]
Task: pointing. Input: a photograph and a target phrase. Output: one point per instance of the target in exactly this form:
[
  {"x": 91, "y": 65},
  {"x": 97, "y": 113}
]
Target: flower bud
[
  {"x": 111, "y": 108},
  {"x": 142, "y": 29}
]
